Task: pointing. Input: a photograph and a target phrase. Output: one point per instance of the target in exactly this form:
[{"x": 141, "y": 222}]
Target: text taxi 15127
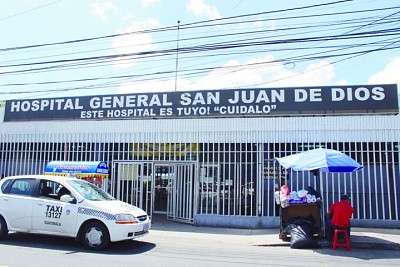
[{"x": 67, "y": 206}]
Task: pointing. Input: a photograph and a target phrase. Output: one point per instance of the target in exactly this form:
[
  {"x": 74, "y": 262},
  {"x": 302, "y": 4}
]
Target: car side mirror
[{"x": 66, "y": 199}]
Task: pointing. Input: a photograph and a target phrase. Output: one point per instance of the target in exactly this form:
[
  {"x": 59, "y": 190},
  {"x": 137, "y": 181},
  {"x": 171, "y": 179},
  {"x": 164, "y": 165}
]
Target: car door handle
[{"x": 40, "y": 203}]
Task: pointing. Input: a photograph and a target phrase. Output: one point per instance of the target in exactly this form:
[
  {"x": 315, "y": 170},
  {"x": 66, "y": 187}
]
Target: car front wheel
[
  {"x": 3, "y": 228},
  {"x": 95, "y": 236}
]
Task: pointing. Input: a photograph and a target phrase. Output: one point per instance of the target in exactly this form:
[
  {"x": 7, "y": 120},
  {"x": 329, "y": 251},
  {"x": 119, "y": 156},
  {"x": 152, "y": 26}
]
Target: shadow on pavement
[
  {"x": 373, "y": 243},
  {"x": 364, "y": 254},
  {"x": 129, "y": 247},
  {"x": 363, "y": 247}
]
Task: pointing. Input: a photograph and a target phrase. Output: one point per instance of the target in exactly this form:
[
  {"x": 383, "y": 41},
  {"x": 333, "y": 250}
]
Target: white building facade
[{"x": 210, "y": 160}]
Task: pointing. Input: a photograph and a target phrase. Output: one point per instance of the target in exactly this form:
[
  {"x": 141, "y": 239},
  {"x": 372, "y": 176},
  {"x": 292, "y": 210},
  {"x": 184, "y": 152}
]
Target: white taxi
[{"x": 71, "y": 207}]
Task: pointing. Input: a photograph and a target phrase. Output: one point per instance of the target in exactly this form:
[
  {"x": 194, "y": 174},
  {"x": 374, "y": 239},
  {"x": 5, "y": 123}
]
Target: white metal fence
[{"x": 234, "y": 178}]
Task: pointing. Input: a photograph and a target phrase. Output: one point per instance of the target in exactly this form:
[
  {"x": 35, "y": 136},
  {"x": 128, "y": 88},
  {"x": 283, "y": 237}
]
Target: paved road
[{"x": 167, "y": 247}]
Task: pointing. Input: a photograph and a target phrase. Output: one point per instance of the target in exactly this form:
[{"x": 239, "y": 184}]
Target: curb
[{"x": 353, "y": 245}]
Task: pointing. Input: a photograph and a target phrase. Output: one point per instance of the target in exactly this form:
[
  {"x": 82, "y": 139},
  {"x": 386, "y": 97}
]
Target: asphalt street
[{"x": 178, "y": 245}]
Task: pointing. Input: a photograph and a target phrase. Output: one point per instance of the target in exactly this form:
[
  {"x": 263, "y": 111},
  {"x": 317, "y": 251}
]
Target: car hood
[{"x": 115, "y": 207}]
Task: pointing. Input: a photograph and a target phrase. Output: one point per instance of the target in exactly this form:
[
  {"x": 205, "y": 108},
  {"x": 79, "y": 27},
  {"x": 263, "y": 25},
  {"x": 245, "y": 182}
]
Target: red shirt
[{"x": 342, "y": 212}]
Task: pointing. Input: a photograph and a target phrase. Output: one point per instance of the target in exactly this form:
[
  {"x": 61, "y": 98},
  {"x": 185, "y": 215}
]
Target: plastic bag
[
  {"x": 302, "y": 193},
  {"x": 285, "y": 190},
  {"x": 284, "y": 200},
  {"x": 277, "y": 197},
  {"x": 301, "y": 237}
]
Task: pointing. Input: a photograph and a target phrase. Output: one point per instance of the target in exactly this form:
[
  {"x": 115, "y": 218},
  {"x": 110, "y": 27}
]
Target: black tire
[
  {"x": 95, "y": 236},
  {"x": 3, "y": 228}
]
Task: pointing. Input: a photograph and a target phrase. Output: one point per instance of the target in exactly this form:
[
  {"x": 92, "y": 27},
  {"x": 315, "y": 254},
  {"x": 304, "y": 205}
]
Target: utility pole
[{"x": 177, "y": 53}]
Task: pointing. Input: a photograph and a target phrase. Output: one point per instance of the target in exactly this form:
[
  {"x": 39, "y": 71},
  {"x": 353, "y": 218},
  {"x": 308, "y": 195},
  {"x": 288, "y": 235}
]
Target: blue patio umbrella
[{"x": 322, "y": 159}]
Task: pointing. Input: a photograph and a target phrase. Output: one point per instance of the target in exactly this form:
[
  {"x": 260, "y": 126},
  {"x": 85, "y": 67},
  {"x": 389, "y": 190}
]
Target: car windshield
[{"x": 90, "y": 191}]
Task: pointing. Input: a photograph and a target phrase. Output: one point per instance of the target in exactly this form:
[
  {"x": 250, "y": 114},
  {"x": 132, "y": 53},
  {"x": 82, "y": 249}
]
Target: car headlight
[{"x": 125, "y": 219}]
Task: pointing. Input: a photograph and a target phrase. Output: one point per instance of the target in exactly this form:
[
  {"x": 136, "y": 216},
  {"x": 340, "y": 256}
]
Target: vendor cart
[
  {"x": 316, "y": 161},
  {"x": 311, "y": 211}
]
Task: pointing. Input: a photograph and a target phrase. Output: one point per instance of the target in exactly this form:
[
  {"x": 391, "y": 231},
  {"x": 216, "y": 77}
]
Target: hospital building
[{"x": 208, "y": 157}]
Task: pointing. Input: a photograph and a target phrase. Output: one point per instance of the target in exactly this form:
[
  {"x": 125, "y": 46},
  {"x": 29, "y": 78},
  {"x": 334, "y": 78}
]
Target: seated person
[
  {"x": 63, "y": 191},
  {"x": 46, "y": 191},
  {"x": 338, "y": 217}
]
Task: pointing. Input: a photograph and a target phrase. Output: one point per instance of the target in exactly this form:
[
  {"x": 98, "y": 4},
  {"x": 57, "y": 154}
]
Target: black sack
[
  {"x": 314, "y": 192},
  {"x": 301, "y": 237},
  {"x": 303, "y": 221}
]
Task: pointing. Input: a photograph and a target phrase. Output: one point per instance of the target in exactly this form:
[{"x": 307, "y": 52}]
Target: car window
[
  {"x": 62, "y": 190},
  {"x": 52, "y": 189},
  {"x": 23, "y": 187},
  {"x": 90, "y": 191},
  {"x": 5, "y": 185}
]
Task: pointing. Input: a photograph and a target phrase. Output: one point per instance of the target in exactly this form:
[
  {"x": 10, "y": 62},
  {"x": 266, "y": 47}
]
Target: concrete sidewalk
[{"x": 362, "y": 238}]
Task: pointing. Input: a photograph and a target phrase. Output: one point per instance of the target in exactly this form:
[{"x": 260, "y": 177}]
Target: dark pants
[{"x": 329, "y": 229}]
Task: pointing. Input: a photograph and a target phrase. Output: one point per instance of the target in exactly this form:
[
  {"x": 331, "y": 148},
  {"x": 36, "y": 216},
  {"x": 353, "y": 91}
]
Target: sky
[{"x": 52, "y": 48}]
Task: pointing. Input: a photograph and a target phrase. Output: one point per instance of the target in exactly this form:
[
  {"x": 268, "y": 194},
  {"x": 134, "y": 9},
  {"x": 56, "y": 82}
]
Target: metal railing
[{"x": 234, "y": 178}]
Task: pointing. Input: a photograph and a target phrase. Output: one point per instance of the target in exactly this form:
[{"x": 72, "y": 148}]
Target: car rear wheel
[
  {"x": 3, "y": 228},
  {"x": 95, "y": 236}
]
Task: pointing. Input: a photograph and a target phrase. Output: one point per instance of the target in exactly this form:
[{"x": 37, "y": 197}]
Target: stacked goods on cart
[{"x": 285, "y": 197}]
